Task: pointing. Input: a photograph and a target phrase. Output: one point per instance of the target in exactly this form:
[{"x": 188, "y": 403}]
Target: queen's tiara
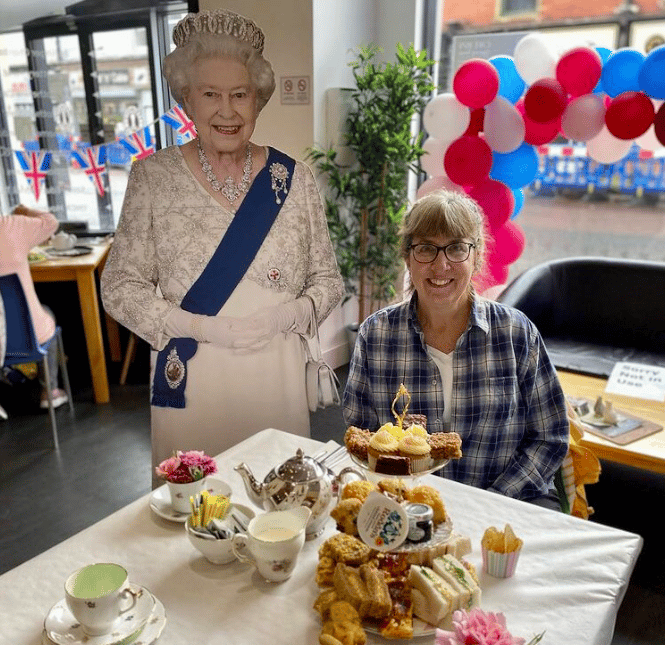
[{"x": 218, "y": 21}]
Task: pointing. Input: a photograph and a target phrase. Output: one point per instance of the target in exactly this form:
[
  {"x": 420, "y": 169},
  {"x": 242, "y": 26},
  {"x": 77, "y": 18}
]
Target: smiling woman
[
  {"x": 222, "y": 257},
  {"x": 472, "y": 366}
]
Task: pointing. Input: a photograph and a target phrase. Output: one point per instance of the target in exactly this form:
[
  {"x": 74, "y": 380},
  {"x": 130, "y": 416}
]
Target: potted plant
[{"x": 365, "y": 201}]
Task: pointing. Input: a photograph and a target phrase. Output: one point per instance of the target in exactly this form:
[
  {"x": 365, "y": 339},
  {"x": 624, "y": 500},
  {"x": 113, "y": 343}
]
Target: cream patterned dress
[{"x": 169, "y": 228}]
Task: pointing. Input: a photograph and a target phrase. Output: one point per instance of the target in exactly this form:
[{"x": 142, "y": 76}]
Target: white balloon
[
  {"x": 606, "y": 148},
  {"x": 534, "y": 59},
  {"x": 584, "y": 117},
  {"x": 445, "y": 118},
  {"x": 649, "y": 140},
  {"x": 503, "y": 126},
  {"x": 432, "y": 161}
]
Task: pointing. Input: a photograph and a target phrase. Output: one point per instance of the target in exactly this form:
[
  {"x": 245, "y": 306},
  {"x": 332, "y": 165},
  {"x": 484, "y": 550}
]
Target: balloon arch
[{"x": 482, "y": 137}]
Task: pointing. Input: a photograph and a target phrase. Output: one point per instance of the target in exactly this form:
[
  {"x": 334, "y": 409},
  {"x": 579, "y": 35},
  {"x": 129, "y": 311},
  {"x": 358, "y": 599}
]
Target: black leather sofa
[{"x": 593, "y": 312}]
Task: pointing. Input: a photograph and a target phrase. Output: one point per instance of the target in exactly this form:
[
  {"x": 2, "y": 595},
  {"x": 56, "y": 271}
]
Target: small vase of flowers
[{"x": 185, "y": 474}]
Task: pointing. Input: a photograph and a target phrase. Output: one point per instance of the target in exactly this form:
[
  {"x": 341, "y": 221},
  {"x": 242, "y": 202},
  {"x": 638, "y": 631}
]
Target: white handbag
[{"x": 321, "y": 381}]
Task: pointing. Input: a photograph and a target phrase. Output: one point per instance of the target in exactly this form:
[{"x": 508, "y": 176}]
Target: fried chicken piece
[
  {"x": 358, "y": 489},
  {"x": 346, "y": 515},
  {"x": 324, "y": 601},
  {"x": 346, "y": 549},
  {"x": 344, "y": 633},
  {"x": 430, "y": 496},
  {"x": 324, "y": 571}
]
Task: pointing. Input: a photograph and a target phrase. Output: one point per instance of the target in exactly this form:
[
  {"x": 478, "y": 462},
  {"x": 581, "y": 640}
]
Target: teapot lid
[{"x": 300, "y": 469}]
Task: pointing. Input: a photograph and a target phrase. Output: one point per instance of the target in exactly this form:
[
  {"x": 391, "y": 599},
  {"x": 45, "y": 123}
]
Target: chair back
[{"x": 21, "y": 344}]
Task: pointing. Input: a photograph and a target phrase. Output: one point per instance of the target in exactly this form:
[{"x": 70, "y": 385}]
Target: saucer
[
  {"x": 160, "y": 500},
  {"x": 148, "y": 633},
  {"x": 61, "y": 628}
]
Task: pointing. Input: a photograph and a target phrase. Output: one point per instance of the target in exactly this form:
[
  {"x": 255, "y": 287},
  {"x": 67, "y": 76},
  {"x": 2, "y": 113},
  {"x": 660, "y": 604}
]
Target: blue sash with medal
[{"x": 224, "y": 271}]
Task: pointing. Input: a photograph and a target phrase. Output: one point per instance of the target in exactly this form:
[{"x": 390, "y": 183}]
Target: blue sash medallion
[{"x": 224, "y": 271}]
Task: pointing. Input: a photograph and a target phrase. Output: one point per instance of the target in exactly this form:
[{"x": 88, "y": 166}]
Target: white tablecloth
[{"x": 570, "y": 579}]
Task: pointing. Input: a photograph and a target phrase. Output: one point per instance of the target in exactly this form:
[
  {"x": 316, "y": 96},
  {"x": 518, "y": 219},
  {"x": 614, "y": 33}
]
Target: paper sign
[{"x": 637, "y": 380}]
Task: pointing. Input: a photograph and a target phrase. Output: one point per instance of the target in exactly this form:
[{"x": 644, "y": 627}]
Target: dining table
[
  {"x": 569, "y": 582},
  {"x": 81, "y": 269}
]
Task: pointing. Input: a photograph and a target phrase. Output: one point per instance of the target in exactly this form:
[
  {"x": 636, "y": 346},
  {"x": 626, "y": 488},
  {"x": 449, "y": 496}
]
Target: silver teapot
[{"x": 299, "y": 481}]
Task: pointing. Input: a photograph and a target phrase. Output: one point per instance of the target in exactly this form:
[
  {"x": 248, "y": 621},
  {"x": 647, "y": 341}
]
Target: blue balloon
[
  {"x": 518, "y": 194},
  {"x": 517, "y": 168},
  {"x": 511, "y": 85},
  {"x": 652, "y": 75},
  {"x": 604, "y": 54},
  {"x": 620, "y": 72}
]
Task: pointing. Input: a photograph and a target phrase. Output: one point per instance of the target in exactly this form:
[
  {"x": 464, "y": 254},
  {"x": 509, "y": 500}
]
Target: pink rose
[
  {"x": 477, "y": 627},
  {"x": 168, "y": 467}
]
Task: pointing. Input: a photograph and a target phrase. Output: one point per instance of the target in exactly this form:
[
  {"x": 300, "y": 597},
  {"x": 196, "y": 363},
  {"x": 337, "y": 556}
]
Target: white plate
[
  {"x": 61, "y": 628},
  {"x": 438, "y": 464},
  {"x": 147, "y": 635},
  {"x": 420, "y": 629},
  {"x": 160, "y": 500}
]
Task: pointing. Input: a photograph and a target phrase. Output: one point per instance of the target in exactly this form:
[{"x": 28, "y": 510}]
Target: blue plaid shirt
[{"x": 508, "y": 406}]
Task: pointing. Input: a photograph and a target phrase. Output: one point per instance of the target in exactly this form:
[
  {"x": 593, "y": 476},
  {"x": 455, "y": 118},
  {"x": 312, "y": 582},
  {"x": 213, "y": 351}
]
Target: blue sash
[{"x": 224, "y": 271}]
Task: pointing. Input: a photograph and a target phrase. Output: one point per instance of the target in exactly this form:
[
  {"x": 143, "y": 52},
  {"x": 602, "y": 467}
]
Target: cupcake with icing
[
  {"x": 382, "y": 442},
  {"x": 395, "y": 430},
  {"x": 417, "y": 450},
  {"x": 417, "y": 430}
]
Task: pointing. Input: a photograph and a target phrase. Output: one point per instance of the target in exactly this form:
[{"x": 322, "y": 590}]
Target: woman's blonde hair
[
  {"x": 177, "y": 66},
  {"x": 447, "y": 214}
]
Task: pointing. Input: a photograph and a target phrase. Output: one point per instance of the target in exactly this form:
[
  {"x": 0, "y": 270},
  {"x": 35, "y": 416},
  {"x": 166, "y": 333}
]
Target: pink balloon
[
  {"x": 629, "y": 115},
  {"x": 579, "y": 70},
  {"x": 468, "y": 161},
  {"x": 507, "y": 245},
  {"x": 606, "y": 148},
  {"x": 476, "y": 83},
  {"x": 537, "y": 134},
  {"x": 584, "y": 117},
  {"x": 545, "y": 100},
  {"x": 496, "y": 200},
  {"x": 493, "y": 275},
  {"x": 503, "y": 127},
  {"x": 437, "y": 183}
]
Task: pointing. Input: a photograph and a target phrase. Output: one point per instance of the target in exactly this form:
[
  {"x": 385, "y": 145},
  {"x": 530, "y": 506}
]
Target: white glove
[
  {"x": 222, "y": 331},
  {"x": 261, "y": 327}
]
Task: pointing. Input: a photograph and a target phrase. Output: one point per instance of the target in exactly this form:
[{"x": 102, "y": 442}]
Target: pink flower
[
  {"x": 186, "y": 467},
  {"x": 477, "y": 627}
]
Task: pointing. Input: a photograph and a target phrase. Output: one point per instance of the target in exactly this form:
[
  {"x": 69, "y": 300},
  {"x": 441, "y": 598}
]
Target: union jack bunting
[
  {"x": 34, "y": 165},
  {"x": 140, "y": 143},
  {"x": 180, "y": 122},
  {"x": 93, "y": 162}
]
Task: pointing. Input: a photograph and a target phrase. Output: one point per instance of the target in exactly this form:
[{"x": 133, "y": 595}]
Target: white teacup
[
  {"x": 97, "y": 595},
  {"x": 63, "y": 241},
  {"x": 274, "y": 541}
]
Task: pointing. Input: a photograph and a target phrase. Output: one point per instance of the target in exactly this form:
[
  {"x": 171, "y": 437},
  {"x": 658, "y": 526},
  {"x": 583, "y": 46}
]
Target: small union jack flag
[
  {"x": 34, "y": 165},
  {"x": 93, "y": 162},
  {"x": 180, "y": 122},
  {"x": 139, "y": 143}
]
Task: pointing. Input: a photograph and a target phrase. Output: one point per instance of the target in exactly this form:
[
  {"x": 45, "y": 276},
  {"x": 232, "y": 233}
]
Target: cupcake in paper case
[
  {"x": 501, "y": 550},
  {"x": 417, "y": 450},
  {"x": 382, "y": 442}
]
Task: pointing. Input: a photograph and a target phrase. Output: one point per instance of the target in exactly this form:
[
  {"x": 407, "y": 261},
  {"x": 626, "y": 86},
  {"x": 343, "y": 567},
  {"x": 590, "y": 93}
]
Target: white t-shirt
[{"x": 445, "y": 364}]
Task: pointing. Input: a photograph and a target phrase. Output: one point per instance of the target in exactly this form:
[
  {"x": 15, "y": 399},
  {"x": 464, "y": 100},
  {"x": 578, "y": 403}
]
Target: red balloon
[
  {"x": 507, "y": 245},
  {"x": 629, "y": 115},
  {"x": 476, "y": 123},
  {"x": 476, "y": 83},
  {"x": 496, "y": 200},
  {"x": 545, "y": 100},
  {"x": 659, "y": 124},
  {"x": 537, "y": 134},
  {"x": 579, "y": 71},
  {"x": 468, "y": 160}
]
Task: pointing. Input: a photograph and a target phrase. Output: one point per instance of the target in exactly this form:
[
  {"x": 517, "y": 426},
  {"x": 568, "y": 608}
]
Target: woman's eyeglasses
[{"x": 454, "y": 252}]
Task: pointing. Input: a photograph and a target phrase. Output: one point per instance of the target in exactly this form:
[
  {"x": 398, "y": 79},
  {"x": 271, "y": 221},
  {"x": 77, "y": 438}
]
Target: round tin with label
[{"x": 420, "y": 522}]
